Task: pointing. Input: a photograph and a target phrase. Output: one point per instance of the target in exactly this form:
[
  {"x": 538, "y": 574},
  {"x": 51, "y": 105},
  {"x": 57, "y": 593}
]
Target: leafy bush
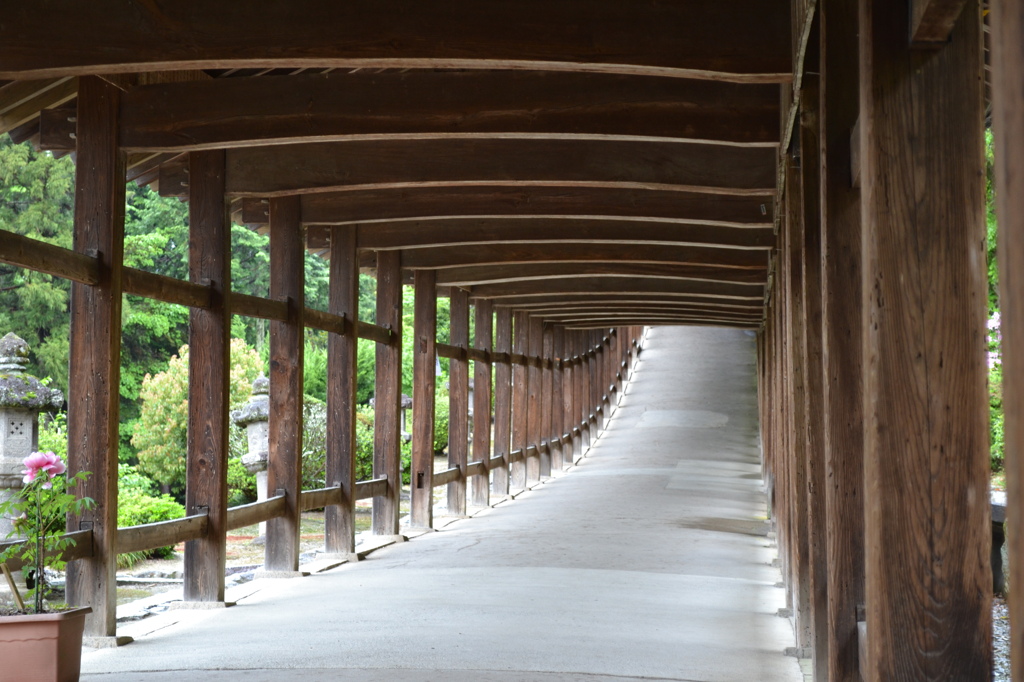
[{"x": 138, "y": 504}]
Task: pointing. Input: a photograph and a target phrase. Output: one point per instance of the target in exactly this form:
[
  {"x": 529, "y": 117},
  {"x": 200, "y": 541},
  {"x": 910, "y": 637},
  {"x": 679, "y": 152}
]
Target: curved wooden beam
[
  {"x": 474, "y": 275},
  {"x": 590, "y": 286},
  {"x": 742, "y": 40}
]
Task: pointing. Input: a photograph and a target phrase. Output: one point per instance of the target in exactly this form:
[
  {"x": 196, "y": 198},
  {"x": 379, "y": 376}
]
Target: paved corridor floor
[{"x": 647, "y": 561}]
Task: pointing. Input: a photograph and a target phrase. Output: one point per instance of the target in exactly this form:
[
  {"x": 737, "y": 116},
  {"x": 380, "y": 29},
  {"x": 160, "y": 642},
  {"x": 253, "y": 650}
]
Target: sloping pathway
[{"x": 647, "y": 561}]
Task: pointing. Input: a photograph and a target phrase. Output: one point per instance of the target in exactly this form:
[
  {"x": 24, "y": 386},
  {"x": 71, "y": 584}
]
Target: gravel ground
[{"x": 1000, "y": 640}]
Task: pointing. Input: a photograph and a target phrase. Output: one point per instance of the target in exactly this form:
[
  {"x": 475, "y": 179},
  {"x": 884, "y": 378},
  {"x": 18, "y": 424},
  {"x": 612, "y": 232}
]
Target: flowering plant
[{"x": 40, "y": 511}]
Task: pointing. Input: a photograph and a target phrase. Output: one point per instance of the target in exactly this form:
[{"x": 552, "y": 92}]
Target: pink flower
[{"x": 42, "y": 462}]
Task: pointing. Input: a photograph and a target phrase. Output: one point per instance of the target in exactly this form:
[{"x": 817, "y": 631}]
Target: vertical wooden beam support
[
  {"x": 388, "y": 393},
  {"x": 458, "y": 412},
  {"x": 342, "y": 351},
  {"x": 569, "y": 397},
  {"x": 1007, "y": 22},
  {"x": 482, "y": 340},
  {"x": 502, "y": 401},
  {"x": 284, "y": 464},
  {"x": 557, "y": 409},
  {"x": 95, "y": 377},
  {"x": 534, "y": 402},
  {"x": 546, "y": 400},
  {"x": 209, "y": 388},
  {"x": 424, "y": 388},
  {"x": 843, "y": 421},
  {"x": 520, "y": 398},
  {"x": 926, "y": 404}
]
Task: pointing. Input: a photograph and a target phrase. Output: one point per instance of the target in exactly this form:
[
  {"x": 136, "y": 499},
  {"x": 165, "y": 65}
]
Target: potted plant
[{"x": 42, "y": 641}]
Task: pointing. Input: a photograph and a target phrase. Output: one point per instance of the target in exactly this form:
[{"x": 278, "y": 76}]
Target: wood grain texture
[
  {"x": 926, "y": 406},
  {"x": 458, "y": 400},
  {"x": 500, "y": 478},
  {"x": 93, "y": 395},
  {"x": 520, "y": 398},
  {"x": 535, "y": 404},
  {"x": 424, "y": 385},
  {"x": 470, "y": 276},
  {"x": 33, "y": 254},
  {"x": 746, "y": 41},
  {"x": 546, "y": 397},
  {"x": 932, "y": 21},
  {"x": 556, "y": 408},
  {"x": 388, "y": 394},
  {"x": 483, "y": 340},
  {"x": 727, "y": 291}
]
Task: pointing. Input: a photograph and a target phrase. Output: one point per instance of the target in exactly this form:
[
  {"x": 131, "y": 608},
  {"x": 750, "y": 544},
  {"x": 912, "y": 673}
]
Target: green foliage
[
  {"x": 995, "y": 363},
  {"x": 441, "y": 412},
  {"x": 138, "y": 503},
  {"x": 53, "y": 434},
  {"x": 241, "y": 484}
]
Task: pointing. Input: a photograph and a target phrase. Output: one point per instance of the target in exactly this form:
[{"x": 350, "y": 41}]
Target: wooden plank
[
  {"x": 81, "y": 548},
  {"x": 321, "y": 498},
  {"x": 520, "y": 396},
  {"x": 748, "y": 41},
  {"x": 33, "y": 254},
  {"x": 926, "y": 403},
  {"x": 375, "y": 487},
  {"x": 95, "y": 345},
  {"x": 478, "y": 468},
  {"x": 842, "y": 334},
  {"x": 206, "y": 466},
  {"x": 399, "y": 164},
  {"x": 502, "y": 401},
  {"x": 424, "y": 386},
  {"x": 448, "y": 477},
  {"x": 52, "y": 93},
  {"x": 458, "y": 400},
  {"x": 254, "y": 306},
  {"x": 338, "y": 106},
  {"x": 328, "y": 322},
  {"x": 340, "y": 468},
  {"x": 552, "y": 303},
  {"x": 534, "y": 402},
  {"x": 166, "y": 289},
  {"x": 546, "y": 397},
  {"x": 446, "y": 350},
  {"x": 932, "y": 21},
  {"x": 284, "y": 465},
  {"x": 388, "y": 394},
  {"x": 1007, "y": 23},
  {"x": 479, "y": 275},
  {"x": 728, "y": 291},
  {"x": 483, "y": 337},
  {"x": 190, "y": 529},
  {"x": 244, "y": 515},
  {"x": 373, "y": 332}
]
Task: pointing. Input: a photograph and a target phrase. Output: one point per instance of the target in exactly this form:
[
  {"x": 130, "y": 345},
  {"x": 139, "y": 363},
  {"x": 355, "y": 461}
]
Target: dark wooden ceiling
[{"x": 595, "y": 162}]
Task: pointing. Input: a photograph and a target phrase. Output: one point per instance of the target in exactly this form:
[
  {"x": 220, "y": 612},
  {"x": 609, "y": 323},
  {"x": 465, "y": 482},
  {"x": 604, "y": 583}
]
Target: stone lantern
[
  {"x": 255, "y": 418},
  {"x": 22, "y": 398}
]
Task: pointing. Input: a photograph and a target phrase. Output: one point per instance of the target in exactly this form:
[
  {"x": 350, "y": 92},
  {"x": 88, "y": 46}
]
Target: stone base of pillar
[
  {"x": 106, "y": 642},
  {"x": 199, "y": 605}
]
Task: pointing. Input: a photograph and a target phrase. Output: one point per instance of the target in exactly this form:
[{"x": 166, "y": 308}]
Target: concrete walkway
[{"x": 649, "y": 560}]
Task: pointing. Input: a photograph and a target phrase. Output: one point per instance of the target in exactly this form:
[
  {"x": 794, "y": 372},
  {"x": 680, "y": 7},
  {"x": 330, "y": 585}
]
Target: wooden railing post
[
  {"x": 534, "y": 399},
  {"x": 520, "y": 399},
  {"x": 546, "y": 400},
  {"x": 284, "y": 465},
  {"x": 557, "y": 405},
  {"x": 502, "y": 401},
  {"x": 424, "y": 386},
  {"x": 458, "y": 403},
  {"x": 93, "y": 396},
  {"x": 388, "y": 393},
  {"x": 339, "y": 519},
  {"x": 482, "y": 340},
  {"x": 209, "y": 389}
]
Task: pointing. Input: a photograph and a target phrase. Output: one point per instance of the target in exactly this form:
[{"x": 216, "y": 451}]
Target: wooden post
[
  {"x": 458, "y": 412},
  {"x": 339, "y": 520},
  {"x": 502, "y": 401},
  {"x": 534, "y": 401},
  {"x": 569, "y": 397},
  {"x": 843, "y": 421},
  {"x": 557, "y": 408},
  {"x": 546, "y": 400},
  {"x": 388, "y": 393},
  {"x": 928, "y": 533},
  {"x": 482, "y": 340},
  {"x": 209, "y": 364},
  {"x": 520, "y": 401},
  {"x": 424, "y": 387},
  {"x": 94, "y": 380},
  {"x": 284, "y": 464},
  {"x": 1007, "y": 22}
]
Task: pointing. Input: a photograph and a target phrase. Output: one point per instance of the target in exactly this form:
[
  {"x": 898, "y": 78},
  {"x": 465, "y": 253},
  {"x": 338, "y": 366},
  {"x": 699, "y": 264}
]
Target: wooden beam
[
  {"x": 93, "y": 396},
  {"x": 388, "y": 394},
  {"x": 546, "y": 397},
  {"x": 325, "y": 166},
  {"x": 583, "y": 301},
  {"x": 932, "y": 21},
  {"x": 206, "y": 488},
  {"x": 458, "y": 400},
  {"x": 40, "y": 256},
  {"x": 284, "y": 464},
  {"x": 21, "y": 101},
  {"x": 483, "y": 340},
  {"x": 926, "y": 402},
  {"x": 619, "y": 285},
  {"x": 748, "y": 41},
  {"x": 475, "y": 275},
  {"x": 502, "y": 401},
  {"x": 424, "y": 386},
  {"x": 340, "y": 466},
  {"x": 534, "y": 401},
  {"x": 520, "y": 397}
]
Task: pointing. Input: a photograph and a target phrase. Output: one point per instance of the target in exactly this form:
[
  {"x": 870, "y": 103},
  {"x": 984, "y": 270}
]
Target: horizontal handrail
[
  {"x": 516, "y": 455},
  {"x": 263, "y": 308},
  {"x": 496, "y": 461},
  {"x": 319, "y": 498},
  {"x": 447, "y": 476},
  {"x": 373, "y": 488},
  {"x": 445, "y": 350},
  {"x": 328, "y": 322},
  {"x": 372, "y": 332},
  {"x": 256, "y": 512},
  {"x": 82, "y": 549},
  {"x": 476, "y": 468},
  {"x": 166, "y": 289},
  {"x": 162, "y": 533}
]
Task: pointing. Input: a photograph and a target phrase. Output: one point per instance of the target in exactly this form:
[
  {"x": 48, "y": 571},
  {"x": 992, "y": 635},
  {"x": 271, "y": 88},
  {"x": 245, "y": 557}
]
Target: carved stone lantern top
[
  {"x": 258, "y": 407},
  {"x": 18, "y": 389}
]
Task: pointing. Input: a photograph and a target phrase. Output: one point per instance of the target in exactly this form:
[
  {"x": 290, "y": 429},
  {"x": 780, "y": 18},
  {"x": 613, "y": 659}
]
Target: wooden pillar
[
  {"x": 424, "y": 388},
  {"x": 534, "y": 400},
  {"x": 928, "y": 534},
  {"x": 458, "y": 412},
  {"x": 569, "y": 397},
  {"x": 482, "y": 340},
  {"x": 1007, "y": 22},
  {"x": 546, "y": 400},
  {"x": 388, "y": 393},
  {"x": 284, "y": 464},
  {"x": 94, "y": 380},
  {"x": 843, "y": 421},
  {"x": 206, "y": 488},
  {"x": 339, "y": 520},
  {"x": 502, "y": 401},
  {"x": 557, "y": 409},
  {"x": 520, "y": 398}
]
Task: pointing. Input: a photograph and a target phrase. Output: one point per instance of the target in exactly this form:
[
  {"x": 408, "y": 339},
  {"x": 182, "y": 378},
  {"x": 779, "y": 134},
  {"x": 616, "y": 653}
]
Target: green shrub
[{"x": 137, "y": 504}]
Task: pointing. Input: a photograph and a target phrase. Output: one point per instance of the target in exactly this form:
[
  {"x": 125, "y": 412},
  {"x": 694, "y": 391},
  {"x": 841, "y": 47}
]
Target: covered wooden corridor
[{"x": 567, "y": 172}]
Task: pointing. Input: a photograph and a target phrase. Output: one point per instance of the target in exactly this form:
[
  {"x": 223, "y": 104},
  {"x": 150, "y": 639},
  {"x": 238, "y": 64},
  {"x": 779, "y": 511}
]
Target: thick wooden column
[
  {"x": 520, "y": 399},
  {"x": 424, "y": 388},
  {"x": 546, "y": 400},
  {"x": 929, "y": 581},
  {"x": 458, "y": 412},
  {"x": 482, "y": 340},
  {"x": 502, "y": 401},
  {"x": 339, "y": 520},
  {"x": 569, "y": 397},
  {"x": 1007, "y": 22},
  {"x": 843, "y": 421},
  {"x": 534, "y": 401},
  {"x": 557, "y": 408},
  {"x": 284, "y": 464},
  {"x": 94, "y": 380},
  {"x": 388, "y": 393},
  {"x": 206, "y": 488}
]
